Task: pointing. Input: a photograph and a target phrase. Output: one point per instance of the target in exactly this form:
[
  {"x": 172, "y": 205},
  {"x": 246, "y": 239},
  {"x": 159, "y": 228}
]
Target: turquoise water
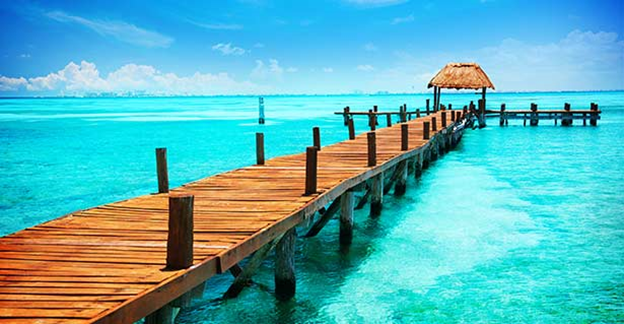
[{"x": 518, "y": 224}]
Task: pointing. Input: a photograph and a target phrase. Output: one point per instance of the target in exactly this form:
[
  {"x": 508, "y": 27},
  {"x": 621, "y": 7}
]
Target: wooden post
[
  {"x": 375, "y": 108},
  {"x": 285, "y": 282},
  {"x": 377, "y": 184},
  {"x": 401, "y": 184},
  {"x": 567, "y": 116},
  {"x": 162, "y": 316},
  {"x": 502, "y": 115},
  {"x": 404, "y": 136},
  {"x": 417, "y": 113},
  {"x": 351, "y": 129},
  {"x": 443, "y": 119},
  {"x": 259, "y": 148},
  {"x": 316, "y": 140},
  {"x": 388, "y": 120},
  {"x": 481, "y": 113},
  {"x": 161, "y": 170},
  {"x": 450, "y": 107},
  {"x": 418, "y": 165},
  {"x": 594, "y": 115},
  {"x": 426, "y": 130},
  {"x": 372, "y": 120},
  {"x": 434, "y": 124},
  {"x": 311, "y": 169},
  {"x": 261, "y": 110},
  {"x": 372, "y": 149},
  {"x": 452, "y": 116},
  {"x": 427, "y": 107},
  {"x": 345, "y": 114},
  {"x": 180, "y": 235},
  {"x": 347, "y": 202},
  {"x": 534, "y": 117}
]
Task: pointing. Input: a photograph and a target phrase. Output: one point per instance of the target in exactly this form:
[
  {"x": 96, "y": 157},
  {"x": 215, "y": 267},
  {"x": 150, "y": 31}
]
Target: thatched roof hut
[{"x": 461, "y": 76}]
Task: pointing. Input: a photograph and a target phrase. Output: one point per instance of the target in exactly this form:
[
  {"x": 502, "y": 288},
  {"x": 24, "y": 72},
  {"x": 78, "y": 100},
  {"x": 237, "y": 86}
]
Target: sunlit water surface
[{"x": 518, "y": 224}]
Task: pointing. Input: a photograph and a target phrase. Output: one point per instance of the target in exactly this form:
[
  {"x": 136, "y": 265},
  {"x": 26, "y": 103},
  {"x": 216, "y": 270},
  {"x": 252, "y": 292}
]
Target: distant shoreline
[{"x": 290, "y": 95}]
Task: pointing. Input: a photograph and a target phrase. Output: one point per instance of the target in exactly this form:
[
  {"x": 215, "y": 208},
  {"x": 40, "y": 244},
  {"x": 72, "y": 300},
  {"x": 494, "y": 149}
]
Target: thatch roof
[{"x": 461, "y": 76}]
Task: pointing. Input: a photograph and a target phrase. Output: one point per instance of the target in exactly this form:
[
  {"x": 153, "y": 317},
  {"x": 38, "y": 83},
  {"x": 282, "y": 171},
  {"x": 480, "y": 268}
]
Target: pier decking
[{"x": 107, "y": 264}]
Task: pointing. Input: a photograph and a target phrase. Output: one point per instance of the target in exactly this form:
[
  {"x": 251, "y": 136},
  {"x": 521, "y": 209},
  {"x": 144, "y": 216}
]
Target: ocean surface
[{"x": 518, "y": 224}]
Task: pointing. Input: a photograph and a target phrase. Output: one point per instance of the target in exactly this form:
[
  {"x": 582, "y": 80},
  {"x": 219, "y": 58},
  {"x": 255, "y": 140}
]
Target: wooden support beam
[
  {"x": 324, "y": 219},
  {"x": 351, "y": 129},
  {"x": 418, "y": 165},
  {"x": 244, "y": 277},
  {"x": 346, "y": 217},
  {"x": 404, "y": 137},
  {"x": 372, "y": 149},
  {"x": 363, "y": 200},
  {"x": 235, "y": 270},
  {"x": 259, "y": 148},
  {"x": 285, "y": 282},
  {"x": 443, "y": 119},
  {"x": 311, "y": 170},
  {"x": 316, "y": 138},
  {"x": 164, "y": 315},
  {"x": 401, "y": 184},
  {"x": 377, "y": 185},
  {"x": 161, "y": 170},
  {"x": 434, "y": 124},
  {"x": 426, "y": 130},
  {"x": 180, "y": 234}
]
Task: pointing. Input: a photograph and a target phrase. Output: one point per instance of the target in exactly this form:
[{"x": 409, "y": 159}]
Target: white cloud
[
  {"x": 272, "y": 71},
  {"x": 365, "y": 68},
  {"x": 328, "y": 70},
  {"x": 228, "y": 49},
  {"x": 11, "y": 84},
  {"x": 374, "y": 3},
  {"x": 85, "y": 78},
  {"x": 119, "y": 30},
  {"x": 25, "y": 55},
  {"x": 402, "y": 20},
  {"x": 370, "y": 47},
  {"x": 216, "y": 26}
]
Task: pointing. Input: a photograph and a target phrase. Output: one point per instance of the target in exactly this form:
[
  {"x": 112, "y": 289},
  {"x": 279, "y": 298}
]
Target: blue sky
[{"x": 323, "y": 46}]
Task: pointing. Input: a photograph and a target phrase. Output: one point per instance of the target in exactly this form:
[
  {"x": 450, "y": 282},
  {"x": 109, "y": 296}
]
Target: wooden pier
[
  {"x": 534, "y": 115},
  {"x": 146, "y": 256}
]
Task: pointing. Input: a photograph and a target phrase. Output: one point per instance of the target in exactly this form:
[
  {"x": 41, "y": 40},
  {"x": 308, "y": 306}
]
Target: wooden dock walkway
[{"x": 108, "y": 264}]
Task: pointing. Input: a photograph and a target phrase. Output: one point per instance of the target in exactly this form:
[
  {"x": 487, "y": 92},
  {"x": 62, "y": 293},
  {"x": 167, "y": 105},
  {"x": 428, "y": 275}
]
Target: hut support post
[{"x": 285, "y": 282}]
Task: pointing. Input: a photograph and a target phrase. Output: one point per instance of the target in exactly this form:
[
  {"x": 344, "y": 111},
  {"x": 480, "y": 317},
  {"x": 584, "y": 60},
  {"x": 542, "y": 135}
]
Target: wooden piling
[
  {"x": 285, "y": 282},
  {"x": 404, "y": 136},
  {"x": 434, "y": 124},
  {"x": 375, "y": 108},
  {"x": 443, "y": 119},
  {"x": 388, "y": 120},
  {"x": 351, "y": 129},
  {"x": 180, "y": 234},
  {"x": 259, "y": 148},
  {"x": 316, "y": 138},
  {"x": 426, "y": 126},
  {"x": 401, "y": 182},
  {"x": 164, "y": 315},
  {"x": 566, "y": 119},
  {"x": 417, "y": 113},
  {"x": 534, "y": 118},
  {"x": 311, "y": 170},
  {"x": 418, "y": 166},
  {"x": 502, "y": 115},
  {"x": 161, "y": 170},
  {"x": 347, "y": 203},
  {"x": 346, "y": 115},
  {"x": 452, "y": 116},
  {"x": 481, "y": 114},
  {"x": 427, "y": 107},
  {"x": 594, "y": 115},
  {"x": 372, "y": 149},
  {"x": 377, "y": 184},
  {"x": 372, "y": 120},
  {"x": 450, "y": 106}
]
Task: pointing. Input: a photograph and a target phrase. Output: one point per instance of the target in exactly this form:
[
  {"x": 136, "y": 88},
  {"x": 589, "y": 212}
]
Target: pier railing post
[
  {"x": 285, "y": 282},
  {"x": 372, "y": 120},
  {"x": 534, "y": 117},
  {"x": 417, "y": 113},
  {"x": 346, "y": 115},
  {"x": 388, "y": 120},
  {"x": 502, "y": 115},
  {"x": 311, "y": 170},
  {"x": 259, "y": 148},
  {"x": 316, "y": 138},
  {"x": 426, "y": 126},
  {"x": 180, "y": 235},
  {"x": 347, "y": 203},
  {"x": 594, "y": 115},
  {"x": 434, "y": 124},
  {"x": 372, "y": 149},
  {"x": 161, "y": 170},
  {"x": 566, "y": 119},
  {"x": 427, "y": 107},
  {"x": 443, "y": 119},
  {"x": 351, "y": 129},
  {"x": 404, "y": 137},
  {"x": 452, "y": 116}
]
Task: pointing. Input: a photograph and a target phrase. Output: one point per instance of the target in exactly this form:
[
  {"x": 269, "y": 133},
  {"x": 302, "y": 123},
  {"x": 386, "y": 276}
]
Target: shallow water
[{"x": 518, "y": 224}]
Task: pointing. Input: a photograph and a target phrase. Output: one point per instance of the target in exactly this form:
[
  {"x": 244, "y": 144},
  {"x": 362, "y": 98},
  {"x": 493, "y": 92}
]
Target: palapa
[{"x": 461, "y": 76}]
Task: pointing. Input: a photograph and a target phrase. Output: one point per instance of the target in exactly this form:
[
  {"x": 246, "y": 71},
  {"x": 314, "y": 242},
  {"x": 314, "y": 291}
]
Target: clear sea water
[{"x": 518, "y": 224}]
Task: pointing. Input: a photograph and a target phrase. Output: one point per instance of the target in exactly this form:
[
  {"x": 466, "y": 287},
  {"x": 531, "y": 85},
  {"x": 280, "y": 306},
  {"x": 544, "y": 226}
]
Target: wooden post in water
[
  {"x": 261, "y": 110},
  {"x": 351, "y": 129},
  {"x": 346, "y": 115},
  {"x": 372, "y": 121},
  {"x": 259, "y": 148},
  {"x": 534, "y": 118},
  {"x": 417, "y": 113},
  {"x": 372, "y": 149},
  {"x": 443, "y": 119},
  {"x": 426, "y": 126},
  {"x": 566, "y": 119},
  {"x": 502, "y": 115},
  {"x": 311, "y": 170},
  {"x": 418, "y": 165},
  {"x": 388, "y": 120},
  {"x": 285, "y": 282},
  {"x": 404, "y": 136},
  {"x": 450, "y": 107},
  {"x": 161, "y": 170},
  {"x": 594, "y": 115},
  {"x": 316, "y": 138},
  {"x": 427, "y": 107},
  {"x": 377, "y": 184},
  {"x": 434, "y": 124},
  {"x": 180, "y": 235},
  {"x": 481, "y": 113},
  {"x": 401, "y": 183},
  {"x": 346, "y": 217}
]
